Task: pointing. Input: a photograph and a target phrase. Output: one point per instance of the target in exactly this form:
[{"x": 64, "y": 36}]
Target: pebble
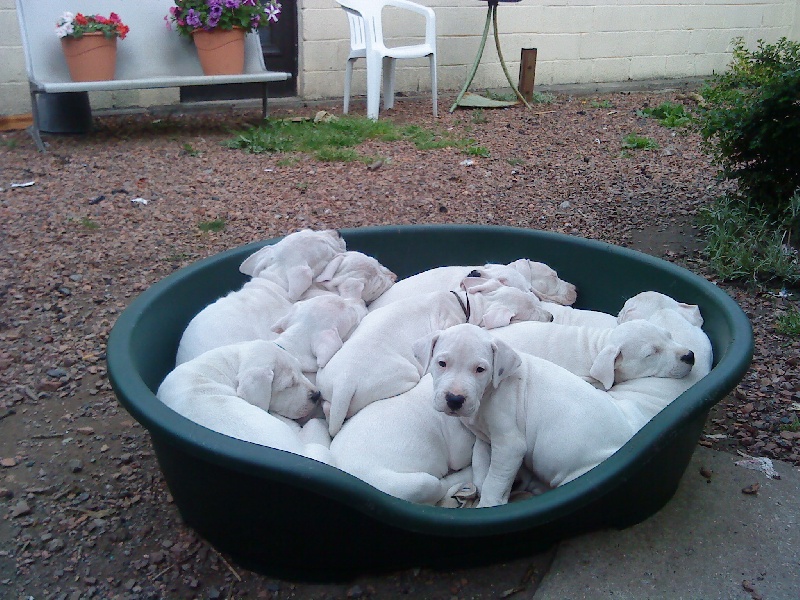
[
  {"x": 75, "y": 465},
  {"x": 8, "y": 462},
  {"x": 20, "y": 509},
  {"x": 55, "y": 545}
]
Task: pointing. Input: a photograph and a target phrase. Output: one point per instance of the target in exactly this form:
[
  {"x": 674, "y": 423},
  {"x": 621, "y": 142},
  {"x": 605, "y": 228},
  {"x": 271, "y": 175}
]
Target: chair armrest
[{"x": 425, "y": 11}]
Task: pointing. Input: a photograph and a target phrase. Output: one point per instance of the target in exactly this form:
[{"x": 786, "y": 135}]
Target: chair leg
[
  {"x": 374, "y": 76},
  {"x": 434, "y": 86},
  {"x": 348, "y": 79},
  {"x": 388, "y": 82},
  {"x": 34, "y": 128},
  {"x": 264, "y": 101}
]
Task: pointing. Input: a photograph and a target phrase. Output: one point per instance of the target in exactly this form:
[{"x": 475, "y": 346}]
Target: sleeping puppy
[
  {"x": 350, "y": 274},
  {"x": 313, "y": 330},
  {"x": 644, "y": 304},
  {"x": 628, "y": 351},
  {"x": 294, "y": 261},
  {"x": 378, "y": 362},
  {"x": 642, "y": 399},
  {"x": 404, "y": 447},
  {"x": 522, "y": 274},
  {"x": 280, "y": 273},
  {"x": 522, "y": 409},
  {"x": 252, "y": 391}
]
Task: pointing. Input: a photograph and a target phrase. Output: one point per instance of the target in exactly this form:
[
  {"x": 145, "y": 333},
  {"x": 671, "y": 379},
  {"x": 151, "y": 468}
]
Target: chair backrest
[{"x": 151, "y": 48}]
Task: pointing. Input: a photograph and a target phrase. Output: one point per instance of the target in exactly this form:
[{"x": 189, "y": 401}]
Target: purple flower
[
  {"x": 213, "y": 3},
  {"x": 193, "y": 18},
  {"x": 273, "y": 12},
  {"x": 232, "y": 3},
  {"x": 255, "y": 20},
  {"x": 214, "y": 12},
  {"x": 248, "y": 2},
  {"x": 212, "y": 21}
]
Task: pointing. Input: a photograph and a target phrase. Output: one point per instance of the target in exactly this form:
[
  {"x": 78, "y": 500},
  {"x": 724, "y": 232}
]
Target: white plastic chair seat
[{"x": 366, "y": 41}]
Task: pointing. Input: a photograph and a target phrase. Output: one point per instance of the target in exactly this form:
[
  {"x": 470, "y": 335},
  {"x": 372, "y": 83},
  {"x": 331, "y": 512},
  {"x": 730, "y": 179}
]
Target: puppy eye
[
  {"x": 442, "y": 364},
  {"x": 479, "y": 369}
]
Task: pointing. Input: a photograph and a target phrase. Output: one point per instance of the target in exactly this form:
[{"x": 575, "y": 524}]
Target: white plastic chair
[{"x": 366, "y": 41}]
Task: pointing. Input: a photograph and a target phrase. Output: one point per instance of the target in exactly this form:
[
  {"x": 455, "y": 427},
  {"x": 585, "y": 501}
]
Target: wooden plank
[
  {"x": 527, "y": 72},
  {"x": 15, "y": 122}
]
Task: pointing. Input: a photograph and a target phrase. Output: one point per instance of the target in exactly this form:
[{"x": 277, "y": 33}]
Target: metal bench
[{"x": 151, "y": 55}]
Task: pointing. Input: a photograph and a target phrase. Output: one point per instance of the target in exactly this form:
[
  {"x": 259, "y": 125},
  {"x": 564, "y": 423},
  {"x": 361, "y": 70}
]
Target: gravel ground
[{"x": 85, "y": 511}]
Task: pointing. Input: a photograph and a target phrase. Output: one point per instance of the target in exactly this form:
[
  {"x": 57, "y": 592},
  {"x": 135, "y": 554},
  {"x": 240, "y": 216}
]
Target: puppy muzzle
[
  {"x": 454, "y": 401},
  {"x": 315, "y": 396},
  {"x": 688, "y": 358}
]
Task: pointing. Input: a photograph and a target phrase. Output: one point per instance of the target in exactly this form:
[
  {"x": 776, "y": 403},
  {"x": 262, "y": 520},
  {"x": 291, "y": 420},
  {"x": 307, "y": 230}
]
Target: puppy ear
[
  {"x": 255, "y": 386},
  {"x": 506, "y": 361},
  {"x": 423, "y": 349},
  {"x": 330, "y": 269},
  {"x": 299, "y": 279},
  {"x": 499, "y": 316},
  {"x": 602, "y": 368},
  {"x": 474, "y": 285},
  {"x": 324, "y": 345},
  {"x": 691, "y": 312},
  {"x": 258, "y": 261}
]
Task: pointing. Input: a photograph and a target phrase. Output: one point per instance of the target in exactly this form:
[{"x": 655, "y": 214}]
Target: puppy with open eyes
[{"x": 522, "y": 409}]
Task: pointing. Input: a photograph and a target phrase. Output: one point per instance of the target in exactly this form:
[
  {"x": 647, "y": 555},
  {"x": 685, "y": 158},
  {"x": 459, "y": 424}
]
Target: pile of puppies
[{"x": 459, "y": 386}]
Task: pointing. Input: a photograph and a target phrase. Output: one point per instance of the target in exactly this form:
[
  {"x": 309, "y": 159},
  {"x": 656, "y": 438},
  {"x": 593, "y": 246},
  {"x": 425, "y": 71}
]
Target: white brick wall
[{"x": 578, "y": 41}]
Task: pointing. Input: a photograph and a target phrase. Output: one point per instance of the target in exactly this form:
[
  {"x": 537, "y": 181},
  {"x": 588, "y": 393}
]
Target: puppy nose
[
  {"x": 474, "y": 273},
  {"x": 315, "y": 396},
  {"x": 688, "y": 358},
  {"x": 454, "y": 402}
]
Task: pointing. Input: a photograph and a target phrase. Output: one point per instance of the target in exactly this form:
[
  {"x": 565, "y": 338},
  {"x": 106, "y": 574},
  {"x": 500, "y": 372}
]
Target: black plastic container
[{"x": 291, "y": 517}]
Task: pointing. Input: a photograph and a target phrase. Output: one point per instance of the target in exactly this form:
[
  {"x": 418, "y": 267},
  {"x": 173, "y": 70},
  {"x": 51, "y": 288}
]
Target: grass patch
[
  {"x": 189, "y": 150},
  {"x": 788, "y": 323},
  {"x": 668, "y": 114},
  {"x": 793, "y": 426},
  {"x": 215, "y": 225},
  {"x": 10, "y": 143},
  {"x": 634, "y": 141},
  {"x": 479, "y": 117},
  {"x": 477, "y": 151},
  {"x": 87, "y": 223},
  {"x": 744, "y": 244},
  {"x": 542, "y": 98},
  {"x": 601, "y": 104},
  {"x": 336, "y": 139}
]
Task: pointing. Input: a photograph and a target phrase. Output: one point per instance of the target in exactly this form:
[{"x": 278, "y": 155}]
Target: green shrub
[{"x": 750, "y": 123}]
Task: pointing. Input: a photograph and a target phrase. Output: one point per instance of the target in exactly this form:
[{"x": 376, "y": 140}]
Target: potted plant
[
  {"x": 89, "y": 43},
  {"x": 218, "y": 28}
]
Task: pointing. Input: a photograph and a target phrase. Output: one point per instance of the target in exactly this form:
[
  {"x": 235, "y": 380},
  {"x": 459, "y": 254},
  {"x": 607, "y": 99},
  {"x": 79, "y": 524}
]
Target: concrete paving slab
[{"x": 711, "y": 541}]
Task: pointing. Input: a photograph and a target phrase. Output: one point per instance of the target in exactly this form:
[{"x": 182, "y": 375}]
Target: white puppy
[
  {"x": 628, "y": 351},
  {"x": 378, "y": 362},
  {"x": 522, "y": 274},
  {"x": 521, "y": 408},
  {"x": 353, "y": 273},
  {"x": 642, "y": 399},
  {"x": 294, "y": 261},
  {"x": 313, "y": 330},
  {"x": 568, "y": 315},
  {"x": 404, "y": 447},
  {"x": 278, "y": 272},
  {"x": 231, "y": 389},
  {"x": 644, "y": 304}
]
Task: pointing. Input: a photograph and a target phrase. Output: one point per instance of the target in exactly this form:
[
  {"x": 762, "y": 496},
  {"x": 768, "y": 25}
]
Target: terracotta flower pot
[
  {"x": 221, "y": 51},
  {"x": 92, "y": 57}
]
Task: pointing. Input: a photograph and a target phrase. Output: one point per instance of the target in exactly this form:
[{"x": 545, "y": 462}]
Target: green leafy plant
[
  {"x": 669, "y": 114},
  {"x": 750, "y": 123},
  {"x": 479, "y": 116},
  {"x": 634, "y": 141},
  {"x": 601, "y": 104},
  {"x": 788, "y": 323},
  {"x": 189, "y": 15},
  {"x": 481, "y": 151},
  {"x": 746, "y": 243},
  {"x": 215, "y": 225},
  {"x": 77, "y": 25},
  {"x": 190, "y": 150},
  {"x": 542, "y": 98},
  {"x": 87, "y": 223}
]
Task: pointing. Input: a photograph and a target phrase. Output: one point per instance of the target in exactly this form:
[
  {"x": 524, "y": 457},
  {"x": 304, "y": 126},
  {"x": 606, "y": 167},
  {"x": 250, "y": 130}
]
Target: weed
[
  {"x": 87, "y": 223},
  {"x": 189, "y": 150},
  {"x": 288, "y": 161},
  {"x": 793, "y": 426},
  {"x": 542, "y": 98},
  {"x": 337, "y": 155},
  {"x": 215, "y": 225},
  {"x": 634, "y": 141},
  {"x": 481, "y": 151},
  {"x": 788, "y": 323},
  {"x": 9, "y": 143},
  {"x": 601, "y": 104},
  {"x": 478, "y": 116},
  {"x": 745, "y": 243},
  {"x": 668, "y": 114},
  {"x": 515, "y": 162},
  {"x": 509, "y": 97}
]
